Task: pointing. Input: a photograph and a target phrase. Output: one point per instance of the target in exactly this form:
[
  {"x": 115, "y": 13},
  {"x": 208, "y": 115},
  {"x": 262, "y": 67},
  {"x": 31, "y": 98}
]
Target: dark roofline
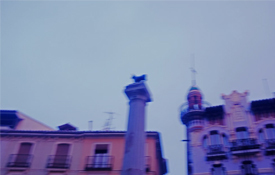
[
  {"x": 214, "y": 112},
  {"x": 66, "y": 132},
  {"x": 8, "y": 111},
  {"x": 262, "y": 100},
  {"x": 263, "y": 106},
  {"x": 9, "y": 118}
]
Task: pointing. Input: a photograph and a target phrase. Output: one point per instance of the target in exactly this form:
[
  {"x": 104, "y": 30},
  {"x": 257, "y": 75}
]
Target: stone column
[{"x": 134, "y": 155}]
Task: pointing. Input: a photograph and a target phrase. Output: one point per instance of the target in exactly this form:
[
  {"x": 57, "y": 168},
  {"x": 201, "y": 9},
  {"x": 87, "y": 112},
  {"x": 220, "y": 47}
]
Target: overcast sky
[{"x": 68, "y": 61}]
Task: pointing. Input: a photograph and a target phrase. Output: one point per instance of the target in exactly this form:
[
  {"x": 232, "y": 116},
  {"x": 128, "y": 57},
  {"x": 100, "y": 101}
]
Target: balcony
[
  {"x": 99, "y": 163},
  {"x": 105, "y": 163},
  {"x": 247, "y": 146},
  {"x": 19, "y": 160},
  {"x": 216, "y": 152},
  {"x": 270, "y": 147},
  {"x": 59, "y": 162}
]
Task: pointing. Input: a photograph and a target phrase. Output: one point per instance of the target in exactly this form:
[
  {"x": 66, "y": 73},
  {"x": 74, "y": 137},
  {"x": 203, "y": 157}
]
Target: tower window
[{"x": 195, "y": 99}]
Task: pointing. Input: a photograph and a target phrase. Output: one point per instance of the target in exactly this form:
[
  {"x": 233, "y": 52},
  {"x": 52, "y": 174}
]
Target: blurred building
[
  {"x": 237, "y": 138},
  {"x": 32, "y": 148}
]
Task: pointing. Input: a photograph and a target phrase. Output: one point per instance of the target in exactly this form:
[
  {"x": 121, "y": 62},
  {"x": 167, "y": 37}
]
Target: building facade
[
  {"x": 68, "y": 151},
  {"x": 237, "y": 138}
]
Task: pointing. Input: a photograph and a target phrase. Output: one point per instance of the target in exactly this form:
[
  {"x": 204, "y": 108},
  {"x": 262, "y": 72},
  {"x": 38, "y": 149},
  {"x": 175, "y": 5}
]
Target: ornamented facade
[{"x": 237, "y": 138}]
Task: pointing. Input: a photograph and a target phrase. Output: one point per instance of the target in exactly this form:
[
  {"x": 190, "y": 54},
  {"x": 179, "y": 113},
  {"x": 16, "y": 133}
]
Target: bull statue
[{"x": 139, "y": 78}]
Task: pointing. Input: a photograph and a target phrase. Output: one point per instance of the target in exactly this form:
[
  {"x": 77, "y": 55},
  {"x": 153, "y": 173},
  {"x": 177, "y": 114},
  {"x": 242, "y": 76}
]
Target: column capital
[{"x": 138, "y": 90}]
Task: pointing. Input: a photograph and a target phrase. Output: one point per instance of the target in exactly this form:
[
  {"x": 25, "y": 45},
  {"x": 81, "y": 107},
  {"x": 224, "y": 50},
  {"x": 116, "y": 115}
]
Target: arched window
[
  {"x": 248, "y": 168},
  {"x": 242, "y": 133},
  {"x": 218, "y": 169},
  {"x": 270, "y": 131},
  {"x": 195, "y": 99},
  {"x": 215, "y": 138}
]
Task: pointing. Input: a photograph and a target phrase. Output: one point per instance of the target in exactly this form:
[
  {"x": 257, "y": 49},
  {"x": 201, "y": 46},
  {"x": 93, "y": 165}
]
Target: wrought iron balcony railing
[
  {"x": 244, "y": 144},
  {"x": 99, "y": 162},
  {"x": 269, "y": 147},
  {"x": 19, "y": 160},
  {"x": 215, "y": 149},
  {"x": 105, "y": 163},
  {"x": 216, "y": 152},
  {"x": 270, "y": 143},
  {"x": 59, "y": 161}
]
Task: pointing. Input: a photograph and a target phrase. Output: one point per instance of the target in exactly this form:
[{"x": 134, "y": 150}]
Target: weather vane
[
  {"x": 193, "y": 70},
  {"x": 139, "y": 78}
]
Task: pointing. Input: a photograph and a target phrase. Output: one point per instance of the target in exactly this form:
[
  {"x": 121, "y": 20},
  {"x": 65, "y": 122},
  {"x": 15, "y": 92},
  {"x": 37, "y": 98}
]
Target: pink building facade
[
  {"x": 237, "y": 138},
  {"x": 67, "y": 151}
]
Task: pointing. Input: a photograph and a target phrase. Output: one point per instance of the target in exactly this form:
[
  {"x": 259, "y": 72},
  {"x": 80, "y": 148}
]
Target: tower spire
[{"x": 193, "y": 70}]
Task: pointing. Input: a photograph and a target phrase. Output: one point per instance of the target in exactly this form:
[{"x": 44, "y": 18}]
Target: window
[
  {"x": 218, "y": 169},
  {"x": 21, "y": 159},
  {"x": 215, "y": 138},
  {"x": 261, "y": 136},
  {"x": 61, "y": 155},
  {"x": 225, "y": 140},
  {"x": 242, "y": 133},
  {"x": 248, "y": 168},
  {"x": 204, "y": 142},
  {"x": 270, "y": 131},
  {"x": 101, "y": 158}
]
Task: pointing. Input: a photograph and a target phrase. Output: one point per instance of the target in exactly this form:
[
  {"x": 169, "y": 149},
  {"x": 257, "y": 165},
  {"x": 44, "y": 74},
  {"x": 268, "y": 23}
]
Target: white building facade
[{"x": 237, "y": 138}]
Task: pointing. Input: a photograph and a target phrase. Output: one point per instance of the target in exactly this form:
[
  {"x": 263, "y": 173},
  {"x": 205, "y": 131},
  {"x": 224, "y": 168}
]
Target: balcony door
[
  {"x": 215, "y": 138},
  {"x": 249, "y": 168},
  {"x": 101, "y": 158},
  {"x": 23, "y": 154},
  {"x": 61, "y": 155},
  {"x": 242, "y": 133}
]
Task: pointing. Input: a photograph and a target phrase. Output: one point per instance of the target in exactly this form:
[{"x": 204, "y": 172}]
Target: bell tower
[{"x": 192, "y": 116}]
